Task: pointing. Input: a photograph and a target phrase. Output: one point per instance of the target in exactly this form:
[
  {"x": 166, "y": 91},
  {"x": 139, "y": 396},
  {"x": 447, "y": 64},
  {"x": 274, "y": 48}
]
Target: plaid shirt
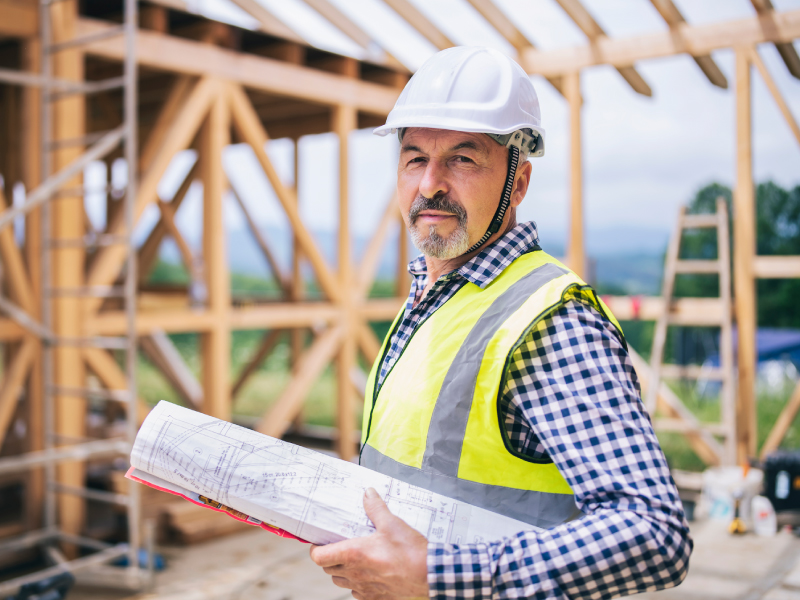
[{"x": 571, "y": 394}]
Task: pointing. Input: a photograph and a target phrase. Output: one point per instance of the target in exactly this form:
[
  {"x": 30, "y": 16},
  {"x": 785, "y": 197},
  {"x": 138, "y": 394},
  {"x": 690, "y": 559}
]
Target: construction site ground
[{"x": 258, "y": 566}]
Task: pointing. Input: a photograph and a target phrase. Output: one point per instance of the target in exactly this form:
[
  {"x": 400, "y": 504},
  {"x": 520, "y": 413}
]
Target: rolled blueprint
[{"x": 289, "y": 489}]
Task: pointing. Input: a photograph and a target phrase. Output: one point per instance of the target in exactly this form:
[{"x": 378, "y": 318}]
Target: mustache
[{"x": 441, "y": 203}]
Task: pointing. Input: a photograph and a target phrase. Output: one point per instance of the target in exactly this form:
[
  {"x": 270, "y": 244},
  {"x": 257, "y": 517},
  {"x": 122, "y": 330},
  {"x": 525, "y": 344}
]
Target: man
[{"x": 504, "y": 382}]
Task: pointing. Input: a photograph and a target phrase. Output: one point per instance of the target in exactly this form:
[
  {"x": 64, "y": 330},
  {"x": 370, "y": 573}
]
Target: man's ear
[{"x": 521, "y": 182}]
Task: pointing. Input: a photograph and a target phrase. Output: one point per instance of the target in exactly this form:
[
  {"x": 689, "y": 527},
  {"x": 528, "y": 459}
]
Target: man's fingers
[
  {"x": 331, "y": 555},
  {"x": 376, "y": 509},
  {"x": 342, "y": 583}
]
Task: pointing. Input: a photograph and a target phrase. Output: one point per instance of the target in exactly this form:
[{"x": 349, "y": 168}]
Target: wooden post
[
  {"x": 69, "y": 116},
  {"x": 31, "y": 177},
  {"x": 576, "y": 254},
  {"x": 214, "y": 137},
  {"x": 344, "y": 121},
  {"x": 744, "y": 236},
  {"x": 296, "y": 287}
]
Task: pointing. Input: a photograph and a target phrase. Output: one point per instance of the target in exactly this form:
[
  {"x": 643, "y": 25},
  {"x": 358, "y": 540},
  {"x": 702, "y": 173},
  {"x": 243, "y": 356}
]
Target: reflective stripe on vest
[{"x": 435, "y": 422}]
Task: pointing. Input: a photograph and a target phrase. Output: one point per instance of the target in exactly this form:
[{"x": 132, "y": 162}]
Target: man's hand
[{"x": 390, "y": 563}]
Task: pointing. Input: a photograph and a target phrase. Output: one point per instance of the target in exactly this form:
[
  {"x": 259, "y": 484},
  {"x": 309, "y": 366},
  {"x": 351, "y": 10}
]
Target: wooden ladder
[{"x": 725, "y": 372}]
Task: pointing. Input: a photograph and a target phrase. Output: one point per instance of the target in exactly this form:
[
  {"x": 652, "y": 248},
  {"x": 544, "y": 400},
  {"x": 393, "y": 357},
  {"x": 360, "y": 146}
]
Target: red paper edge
[{"x": 277, "y": 531}]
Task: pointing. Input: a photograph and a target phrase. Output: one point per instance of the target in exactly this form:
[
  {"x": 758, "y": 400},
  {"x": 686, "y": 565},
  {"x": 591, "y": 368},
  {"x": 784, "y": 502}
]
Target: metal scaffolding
[{"x": 56, "y": 544}]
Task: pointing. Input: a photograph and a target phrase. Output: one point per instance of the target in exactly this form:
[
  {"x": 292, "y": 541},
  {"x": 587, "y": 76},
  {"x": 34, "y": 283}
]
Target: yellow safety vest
[{"x": 435, "y": 421}]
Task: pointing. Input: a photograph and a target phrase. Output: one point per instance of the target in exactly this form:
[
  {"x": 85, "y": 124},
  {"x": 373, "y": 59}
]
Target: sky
[{"x": 643, "y": 157}]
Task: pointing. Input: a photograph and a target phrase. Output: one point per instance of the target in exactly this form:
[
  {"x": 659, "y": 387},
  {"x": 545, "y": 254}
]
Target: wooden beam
[
  {"x": 108, "y": 261},
  {"x": 67, "y": 266},
  {"x": 216, "y": 342},
  {"x": 11, "y": 331},
  {"x": 297, "y": 288},
  {"x": 785, "y": 49},
  {"x": 178, "y": 95},
  {"x": 368, "y": 342},
  {"x": 673, "y": 17},
  {"x": 14, "y": 270},
  {"x": 169, "y": 53},
  {"x": 743, "y": 258},
  {"x": 269, "y": 23},
  {"x": 504, "y": 26},
  {"x": 381, "y": 309},
  {"x": 344, "y": 122},
  {"x": 576, "y": 253},
  {"x": 578, "y": 13},
  {"x": 102, "y": 364},
  {"x": 282, "y": 280},
  {"x": 313, "y": 362},
  {"x": 755, "y": 58},
  {"x": 683, "y": 39},
  {"x": 18, "y": 19},
  {"x": 163, "y": 353},
  {"x": 13, "y": 382},
  {"x": 372, "y": 254},
  {"x": 782, "y": 424},
  {"x": 776, "y": 267},
  {"x": 148, "y": 251},
  {"x": 421, "y": 23},
  {"x": 249, "y": 129},
  {"x": 268, "y": 343},
  {"x": 168, "y": 218}
]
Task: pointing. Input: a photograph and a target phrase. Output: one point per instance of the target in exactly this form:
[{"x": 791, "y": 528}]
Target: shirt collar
[{"x": 482, "y": 268}]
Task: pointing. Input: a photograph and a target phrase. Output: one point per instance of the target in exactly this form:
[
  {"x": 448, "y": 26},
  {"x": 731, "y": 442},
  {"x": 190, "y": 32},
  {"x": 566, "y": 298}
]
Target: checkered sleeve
[{"x": 573, "y": 383}]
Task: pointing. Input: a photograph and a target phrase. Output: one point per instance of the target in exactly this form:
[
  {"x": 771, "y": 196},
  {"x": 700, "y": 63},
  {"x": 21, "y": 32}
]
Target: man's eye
[
  {"x": 463, "y": 159},
  {"x": 418, "y": 159}
]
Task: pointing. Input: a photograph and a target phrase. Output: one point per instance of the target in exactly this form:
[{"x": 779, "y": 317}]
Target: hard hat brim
[{"x": 451, "y": 125}]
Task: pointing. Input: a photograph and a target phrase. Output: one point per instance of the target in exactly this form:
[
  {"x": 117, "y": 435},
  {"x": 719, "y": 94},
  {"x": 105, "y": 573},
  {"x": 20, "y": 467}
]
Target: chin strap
[{"x": 505, "y": 200}]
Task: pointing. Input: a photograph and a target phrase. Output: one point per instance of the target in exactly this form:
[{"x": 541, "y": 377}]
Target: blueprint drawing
[{"x": 311, "y": 495}]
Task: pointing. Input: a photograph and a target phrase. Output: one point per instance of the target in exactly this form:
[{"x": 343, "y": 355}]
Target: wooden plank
[
  {"x": 13, "y": 382},
  {"x": 368, "y": 342},
  {"x": 697, "y": 266},
  {"x": 683, "y": 39},
  {"x": 297, "y": 288},
  {"x": 578, "y": 13},
  {"x": 249, "y": 129},
  {"x": 373, "y": 252},
  {"x": 282, "y": 280},
  {"x": 268, "y": 343},
  {"x": 108, "y": 262},
  {"x": 420, "y": 22},
  {"x": 755, "y": 58},
  {"x": 11, "y": 331},
  {"x": 776, "y": 267},
  {"x": 216, "y": 342},
  {"x": 14, "y": 270},
  {"x": 168, "y": 218},
  {"x": 743, "y": 254},
  {"x": 178, "y": 95},
  {"x": 313, "y": 362},
  {"x": 18, "y": 19},
  {"x": 67, "y": 266},
  {"x": 576, "y": 252},
  {"x": 148, "y": 251},
  {"x": 785, "y": 49},
  {"x": 102, "y": 364},
  {"x": 381, "y": 309},
  {"x": 166, "y": 357},
  {"x": 344, "y": 122},
  {"x": 782, "y": 424},
  {"x": 169, "y": 53},
  {"x": 504, "y": 26},
  {"x": 728, "y": 392},
  {"x": 673, "y": 17}
]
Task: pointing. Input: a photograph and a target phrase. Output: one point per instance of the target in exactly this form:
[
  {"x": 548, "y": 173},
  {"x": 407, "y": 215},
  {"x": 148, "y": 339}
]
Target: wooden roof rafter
[
  {"x": 673, "y": 17},
  {"x": 585, "y": 21},
  {"x": 420, "y": 22},
  {"x": 785, "y": 49}
]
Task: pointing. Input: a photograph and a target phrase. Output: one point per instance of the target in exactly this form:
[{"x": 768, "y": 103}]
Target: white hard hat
[{"x": 473, "y": 89}]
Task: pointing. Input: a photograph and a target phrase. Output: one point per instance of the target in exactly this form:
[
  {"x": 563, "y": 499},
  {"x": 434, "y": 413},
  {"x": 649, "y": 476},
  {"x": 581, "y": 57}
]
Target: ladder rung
[
  {"x": 84, "y": 140},
  {"x": 24, "y": 462},
  {"x": 697, "y": 266},
  {"x": 72, "y": 192},
  {"x": 108, "y": 343},
  {"x": 89, "y": 87},
  {"x": 90, "y": 241},
  {"x": 115, "y": 395},
  {"x": 699, "y": 221},
  {"x": 671, "y": 371},
  {"x": 88, "y": 39},
  {"x": 89, "y": 494},
  {"x": 93, "y": 291},
  {"x": 681, "y": 426}
]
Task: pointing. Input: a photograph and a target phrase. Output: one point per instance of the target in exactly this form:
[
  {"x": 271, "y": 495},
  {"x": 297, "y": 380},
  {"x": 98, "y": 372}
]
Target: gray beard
[{"x": 440, "y": 247}]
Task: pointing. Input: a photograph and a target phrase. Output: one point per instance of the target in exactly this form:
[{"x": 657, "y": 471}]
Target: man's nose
[{"x": 434, "y": 181}]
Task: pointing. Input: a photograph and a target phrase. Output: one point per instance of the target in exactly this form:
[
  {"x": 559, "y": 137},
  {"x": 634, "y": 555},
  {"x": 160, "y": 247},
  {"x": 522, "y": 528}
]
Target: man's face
[{"x": 448, "y": 186}]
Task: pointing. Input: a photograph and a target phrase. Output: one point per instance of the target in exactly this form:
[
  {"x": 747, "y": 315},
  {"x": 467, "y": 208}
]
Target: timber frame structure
[{"x": 203, "y": 85}]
